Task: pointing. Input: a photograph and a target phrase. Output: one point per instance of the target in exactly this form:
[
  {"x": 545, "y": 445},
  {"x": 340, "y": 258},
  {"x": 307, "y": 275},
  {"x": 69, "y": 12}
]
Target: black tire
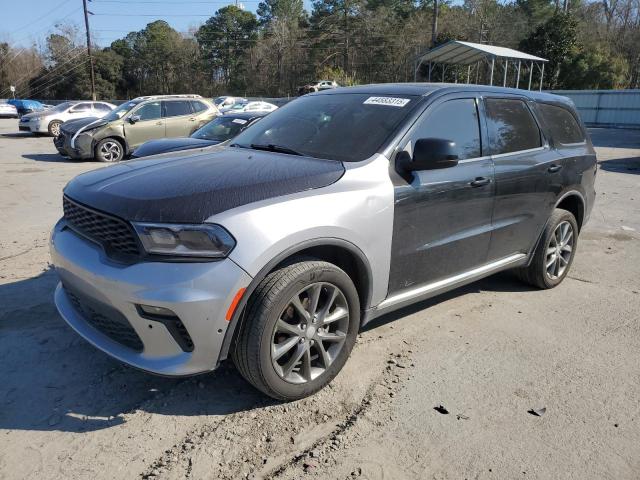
[
  {"x": 54, "y": 128},
  {"x": 252, "y": 353},
  {"x": 109, "y": 150},
  {"x": 536, "y": 273}
]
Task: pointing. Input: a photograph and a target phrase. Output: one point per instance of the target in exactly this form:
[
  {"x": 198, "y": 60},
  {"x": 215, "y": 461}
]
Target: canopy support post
[
  {"x": 477, "y": 71},
  {"x": 493, "y": 62},
  {"x": 506, "y": 67},
  {"x": 518, "y": 75},
  {"x": 430, "y": 64},
  {"x": 530, "y": 75},
  {"x": 541, "y": 76},
  {"x": 468, "y": 74}
]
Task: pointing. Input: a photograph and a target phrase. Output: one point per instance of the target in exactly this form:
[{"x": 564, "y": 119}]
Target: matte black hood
[
  {"x": 153, "y": 147},
  {"x": 72, "y": 126},
  {"x": 191, "y": 188}
]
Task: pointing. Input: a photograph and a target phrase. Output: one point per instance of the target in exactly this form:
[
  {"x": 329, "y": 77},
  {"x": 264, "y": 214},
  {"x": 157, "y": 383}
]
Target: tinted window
[
  {"x": 81, "y": 107},
  {"x": 455, "y": 120},
  {"x": 101, "y": 107},
  {"x": 563, "y": 125},
  {"x": 348, "y": 126},
  {"x": 149, "y": 111},
  {"x": 198, "y": 106},
  {"x": 176, "y": 108},
  {"x": 512, "y": 127}
]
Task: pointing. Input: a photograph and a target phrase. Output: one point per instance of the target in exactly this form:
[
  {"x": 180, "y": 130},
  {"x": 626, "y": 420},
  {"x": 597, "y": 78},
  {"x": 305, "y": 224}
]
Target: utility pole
[
  {"x": 434, "y": 25},
  {"x": 93, "y": 75}
]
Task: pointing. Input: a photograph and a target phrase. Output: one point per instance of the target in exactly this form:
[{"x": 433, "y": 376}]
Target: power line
[{"x": 41, "y": 17}]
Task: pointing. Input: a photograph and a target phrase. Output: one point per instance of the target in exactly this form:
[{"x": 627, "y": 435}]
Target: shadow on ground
[
  {"x": 47, "y": 157},
  {"x": 54, "y": 380},
  {"x": 622, "y": 165}
]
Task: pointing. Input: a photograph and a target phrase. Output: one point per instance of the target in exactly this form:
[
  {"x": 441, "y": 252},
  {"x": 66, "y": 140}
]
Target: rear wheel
[
  {"x": 54, "y": 128},
  {"x": 555, "y": 252},
  {"x": 301, "y": 324},
  {"x": 109, "y": 150}
]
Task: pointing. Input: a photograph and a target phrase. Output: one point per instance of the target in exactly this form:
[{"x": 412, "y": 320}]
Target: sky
[{"x": 26, "y": 21}]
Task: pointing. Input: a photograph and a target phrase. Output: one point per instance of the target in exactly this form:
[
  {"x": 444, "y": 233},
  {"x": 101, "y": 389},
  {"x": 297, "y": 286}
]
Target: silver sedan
[{"x": 49, "y": 121}]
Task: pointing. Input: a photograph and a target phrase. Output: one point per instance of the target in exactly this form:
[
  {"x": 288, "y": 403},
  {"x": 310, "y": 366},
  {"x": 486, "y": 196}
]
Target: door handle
[
  {"x": 192, "y": 119},
  {"x": 554, "y": 168},
  {"x": 158, "y": 123},
  {"x": 480, "y": 182}
]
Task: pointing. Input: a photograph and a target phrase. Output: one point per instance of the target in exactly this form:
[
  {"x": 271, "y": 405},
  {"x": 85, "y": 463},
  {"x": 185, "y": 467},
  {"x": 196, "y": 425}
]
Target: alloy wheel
[
  {"x": 110, "y": 151},
  {"x": 559, "y": 250},
  {"x": 55, "y": 129},
  {"x": 310, "y": 333}
]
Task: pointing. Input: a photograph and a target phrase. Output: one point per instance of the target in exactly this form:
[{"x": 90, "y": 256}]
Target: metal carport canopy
[{"x": 465, "y": 53}]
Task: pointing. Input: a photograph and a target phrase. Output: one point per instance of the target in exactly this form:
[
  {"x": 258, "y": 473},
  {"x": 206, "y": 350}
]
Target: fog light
[{"x": 156, "y": 311}]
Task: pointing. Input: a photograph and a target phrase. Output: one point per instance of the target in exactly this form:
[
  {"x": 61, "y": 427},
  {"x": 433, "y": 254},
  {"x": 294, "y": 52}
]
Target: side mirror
[
  {"x": 430, "y": 154},
  {"x": 134, "y": 119}
]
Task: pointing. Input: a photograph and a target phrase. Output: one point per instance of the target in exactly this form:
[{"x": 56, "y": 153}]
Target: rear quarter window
[
  {"x": 512, "y": 127},
  {"x": 561, "y": 123}
]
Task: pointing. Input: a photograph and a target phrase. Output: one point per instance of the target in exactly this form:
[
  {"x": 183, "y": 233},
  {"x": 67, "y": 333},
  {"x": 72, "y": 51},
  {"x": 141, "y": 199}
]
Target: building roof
[{"x": 466, "y": 53}]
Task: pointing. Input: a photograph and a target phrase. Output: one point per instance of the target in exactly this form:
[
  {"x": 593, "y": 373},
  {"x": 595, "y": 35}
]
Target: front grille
[
  {"x": 115, "y": 235},
  {"x": 105, "y": 319}
]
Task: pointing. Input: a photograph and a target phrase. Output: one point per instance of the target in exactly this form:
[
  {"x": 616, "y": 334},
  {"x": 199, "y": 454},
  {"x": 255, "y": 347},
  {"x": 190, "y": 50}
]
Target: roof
[
  {"x": 424, "y": 89},
  {"x": 466, "y": 53},
  {"x": 245, "y": 115}
]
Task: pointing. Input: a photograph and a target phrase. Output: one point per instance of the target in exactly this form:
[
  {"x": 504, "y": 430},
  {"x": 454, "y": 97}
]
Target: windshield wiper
[{"x": 275, "y": 148}]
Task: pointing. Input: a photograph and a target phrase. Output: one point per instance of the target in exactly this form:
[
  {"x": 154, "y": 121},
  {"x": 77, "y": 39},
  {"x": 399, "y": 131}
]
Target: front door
[
  {"x": 148, "y": 126},
  {"x": 442, "y": 218}
]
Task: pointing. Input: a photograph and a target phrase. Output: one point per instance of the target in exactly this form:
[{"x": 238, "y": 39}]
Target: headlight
[{"x": 203, "y": 240}]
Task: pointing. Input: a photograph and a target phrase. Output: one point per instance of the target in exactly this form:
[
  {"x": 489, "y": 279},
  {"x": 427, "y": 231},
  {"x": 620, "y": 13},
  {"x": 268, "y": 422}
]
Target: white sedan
[
  {"x": 8, "y": 111},
  {"x": 258, "y": 106},
  {"x": 49, "y": 121}
]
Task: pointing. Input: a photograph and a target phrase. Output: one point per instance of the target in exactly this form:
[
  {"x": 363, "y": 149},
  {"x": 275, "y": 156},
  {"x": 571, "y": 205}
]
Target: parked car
[
  {"x": 226, "y": 103},
  {"x": 116, "y": 135},
  {"x": 317, "y": 86},
  {"x": 49, "y": 121},
  {"x": 333, "y": 210},
  {"x": 218, "y": 130},
  {"x": 8, "y": 111},
  {"x": 26, "y": 106},
  {"x": 259, "y": 106}
]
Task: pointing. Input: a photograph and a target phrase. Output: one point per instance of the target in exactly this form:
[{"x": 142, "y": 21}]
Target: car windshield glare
[
  {"x": 220, "y": 129},
  {"x": 119, "y": 112},
  {"x": 347, "y": 127},
  {"x": 62, "y": 107}
]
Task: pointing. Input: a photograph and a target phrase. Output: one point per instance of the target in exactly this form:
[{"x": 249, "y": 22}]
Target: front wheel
[
  {"x": 301, "y": 324},
  {"x": 109, "y": 150},
  {"x": 54, "y": 128},
  {"x": 555, "y": 252}
]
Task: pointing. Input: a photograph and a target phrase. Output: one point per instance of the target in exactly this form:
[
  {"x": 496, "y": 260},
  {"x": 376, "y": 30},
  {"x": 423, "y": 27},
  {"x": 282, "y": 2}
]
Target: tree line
[{"x": 589, "y": 44}]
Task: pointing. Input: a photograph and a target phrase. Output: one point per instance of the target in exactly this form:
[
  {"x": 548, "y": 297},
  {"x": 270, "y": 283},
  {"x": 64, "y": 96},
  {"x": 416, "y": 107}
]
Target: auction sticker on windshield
[
  {"x": 388, "y": 101},
  {"x": 239, "y": 120}
]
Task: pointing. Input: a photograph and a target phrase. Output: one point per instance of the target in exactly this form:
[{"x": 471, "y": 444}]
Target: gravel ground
[{"x": 440, "y": 390}]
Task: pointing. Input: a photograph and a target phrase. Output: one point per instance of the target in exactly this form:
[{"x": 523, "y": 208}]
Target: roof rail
[{"x": 156, "y": 97}]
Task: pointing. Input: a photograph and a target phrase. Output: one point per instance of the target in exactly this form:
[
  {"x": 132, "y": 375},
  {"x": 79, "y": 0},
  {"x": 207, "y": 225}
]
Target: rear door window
[
  {"x": 563, "y": 125},
  {"x": 176, "y": 108},
  {"x": 454, "y": 120},
  {"x": 512, "y": 127},
  {"x": 198, "y": 106}
]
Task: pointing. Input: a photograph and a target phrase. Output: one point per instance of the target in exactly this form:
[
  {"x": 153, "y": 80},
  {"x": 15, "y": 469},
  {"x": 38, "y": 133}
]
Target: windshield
[
  {"x": 119, "y": 112},
  {"x": 348, "y": 127},
  {"x": 221, "y": 129},
  {"x": 62, "y": 107}
]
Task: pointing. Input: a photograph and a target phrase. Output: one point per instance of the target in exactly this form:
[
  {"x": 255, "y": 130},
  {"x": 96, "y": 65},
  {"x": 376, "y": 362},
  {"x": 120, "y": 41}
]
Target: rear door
[
  {"x": 526, "y": 173},
  {"x": 149, "y": 126},
  {"x": 442, "y": 218},
  {"x": 179, "y": 118}
]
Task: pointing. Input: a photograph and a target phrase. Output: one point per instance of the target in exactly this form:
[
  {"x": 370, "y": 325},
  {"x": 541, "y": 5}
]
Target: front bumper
[
  {"x": 82, "y": 148},
  {"x": 34, "y": 126},
  {"x": 198, "y": 293}
]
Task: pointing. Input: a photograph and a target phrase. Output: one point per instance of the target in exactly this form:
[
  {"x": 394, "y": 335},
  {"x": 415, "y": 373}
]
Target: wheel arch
[
  {"x": 341, "y": 253},
  {"x": 573, "y": 201}
]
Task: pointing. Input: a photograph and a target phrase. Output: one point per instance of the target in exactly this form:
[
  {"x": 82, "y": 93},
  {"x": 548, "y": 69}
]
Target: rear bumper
[{"x": 198, "y": 293}]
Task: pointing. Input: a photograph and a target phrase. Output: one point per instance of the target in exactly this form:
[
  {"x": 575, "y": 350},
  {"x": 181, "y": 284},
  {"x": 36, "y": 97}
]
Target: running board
[{"x": 423, "y": 292}]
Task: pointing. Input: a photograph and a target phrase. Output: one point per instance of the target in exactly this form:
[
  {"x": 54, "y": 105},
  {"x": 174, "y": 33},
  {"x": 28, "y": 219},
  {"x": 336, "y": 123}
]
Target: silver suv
[{"x": 335, "y": 209}]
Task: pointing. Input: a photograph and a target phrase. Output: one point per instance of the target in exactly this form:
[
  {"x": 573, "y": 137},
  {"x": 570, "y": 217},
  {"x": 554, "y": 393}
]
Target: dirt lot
[{"x": 487, "y": 353}]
